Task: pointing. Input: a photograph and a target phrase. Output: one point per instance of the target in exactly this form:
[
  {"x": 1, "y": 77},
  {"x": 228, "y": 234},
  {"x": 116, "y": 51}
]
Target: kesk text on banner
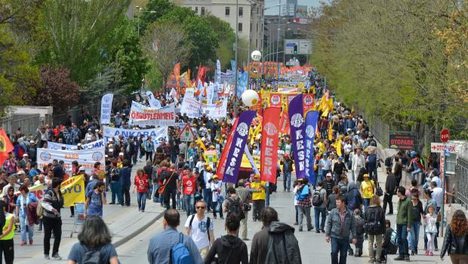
[
  {"x": 297, "y": 134},
  {"x": 222, "y": 161},
  {"x": 270, "y": 138},
  {"x": 310, "y": 129}
]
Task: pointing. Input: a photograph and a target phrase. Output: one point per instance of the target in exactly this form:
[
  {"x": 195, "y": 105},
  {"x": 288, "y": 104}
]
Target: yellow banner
[{"x": 73, "y": 190}]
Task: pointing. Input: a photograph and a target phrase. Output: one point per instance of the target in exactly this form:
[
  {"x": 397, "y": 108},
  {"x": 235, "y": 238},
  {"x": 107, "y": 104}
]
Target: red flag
[
  {"x": 222, "y": 160},
  {"x": 176, "y": 71},
  {"x": 5, "y": 146},
  {"x": 284, "y": 123},
  {"x": 308, "y": 102},
  {"x": 270, "y": 138},
  {"x": 201, "y": 74}
]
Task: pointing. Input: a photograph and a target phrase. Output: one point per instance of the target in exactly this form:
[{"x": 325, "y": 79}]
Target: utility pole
[
  {"x": 277, "y": 44},
  {"x": 235, "y": 57}
]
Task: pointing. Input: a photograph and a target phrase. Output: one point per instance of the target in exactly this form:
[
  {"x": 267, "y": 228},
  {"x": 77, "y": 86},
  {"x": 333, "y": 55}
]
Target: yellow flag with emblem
[{"x": 73, "y": 190}]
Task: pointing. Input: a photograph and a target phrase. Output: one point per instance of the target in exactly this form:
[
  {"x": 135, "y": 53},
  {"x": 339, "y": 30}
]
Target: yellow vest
[
  {"x": 258, "y": 195},
  {"x": 8, "y": 218},
  {"x": 367, "y": 188}
]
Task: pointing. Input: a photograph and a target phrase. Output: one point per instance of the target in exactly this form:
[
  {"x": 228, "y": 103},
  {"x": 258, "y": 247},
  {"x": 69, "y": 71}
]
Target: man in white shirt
[
  {"x": 358, "y": 161},
  {"x": 200, "y": 228},
  {"x": 437, "y": 195}
]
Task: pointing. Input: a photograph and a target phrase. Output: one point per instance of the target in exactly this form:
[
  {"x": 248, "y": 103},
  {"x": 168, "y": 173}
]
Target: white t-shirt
[
  {"x": 216, "y": 189},
  {"x": 438, "y": 196},
  {"x": 199, "y": 230}
]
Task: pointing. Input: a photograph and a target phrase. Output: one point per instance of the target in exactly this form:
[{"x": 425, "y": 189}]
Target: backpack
[
  {"x": 235, "y": 207},
  {"x": 92, "y": 257},
  {"x": 388, "y": 162},
  {"x": 180, "y": 253},
  {"x": 208, "y": 223},
  {"x": 373, "y": 225},
  {"x": 353, "y": 203},
  {"x": 303, "y": 193},
  {"x": 359, "y": 225},
  {"x": 317, "y": 199}
]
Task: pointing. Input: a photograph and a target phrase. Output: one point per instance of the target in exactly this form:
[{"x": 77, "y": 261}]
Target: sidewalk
[{"x": 124, "y": 223}]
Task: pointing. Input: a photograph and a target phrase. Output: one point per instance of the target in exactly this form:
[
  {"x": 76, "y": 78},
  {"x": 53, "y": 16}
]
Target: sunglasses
[{"x": 200, "y": 207}]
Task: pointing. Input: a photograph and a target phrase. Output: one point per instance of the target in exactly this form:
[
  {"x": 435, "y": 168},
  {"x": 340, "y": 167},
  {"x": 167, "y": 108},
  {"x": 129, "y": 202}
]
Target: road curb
[{"x": 126, "y": 238}]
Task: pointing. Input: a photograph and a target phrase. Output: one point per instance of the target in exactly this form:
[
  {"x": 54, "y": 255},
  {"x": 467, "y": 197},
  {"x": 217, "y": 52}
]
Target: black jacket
[
  {"x": 229, "y": 249},
  {"x": 373, "y": 214},
  {"x": 390, "y": 184},
  {"x": 282, "y": 245},
  {"x": 453, "y": 244}
]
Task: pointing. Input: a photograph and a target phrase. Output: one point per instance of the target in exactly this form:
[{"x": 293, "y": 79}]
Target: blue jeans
[
  {"x": 154, "y": 193},
  {"x": 116, "y": 190},
  {"x": 414, "y": 236},
  {"x": 207, "y": 196},
  {"x": 339, "y": 246},
  {"x": 189, "y": 204},
  {"x": 317, "y": 212},
  {"x": 141, "y": 198},
  {"x": 402, "y": 235},
  {"x": 366, "y": 203},
  {"x": 26, "y": 229},
  {"x": 287, "y": 181}
]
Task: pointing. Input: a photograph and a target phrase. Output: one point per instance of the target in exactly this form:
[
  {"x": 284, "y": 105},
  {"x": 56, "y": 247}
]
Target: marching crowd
[{"x": 345, "y": 195}]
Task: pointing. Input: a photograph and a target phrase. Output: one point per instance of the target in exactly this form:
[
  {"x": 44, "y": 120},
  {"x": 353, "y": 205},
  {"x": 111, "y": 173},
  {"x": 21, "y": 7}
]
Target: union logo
[
  {"x": 97, "y": 156},
  {"x": 45, "y": 156},
  {"x": 270, "y": 129},
  {"x": 308, "y": 99},
  {"x": 310, "y": 131},
  {"x": 297, "y": 120},
  {"x": 275, "y": 99},
  {"x": 242, "y": 129}
]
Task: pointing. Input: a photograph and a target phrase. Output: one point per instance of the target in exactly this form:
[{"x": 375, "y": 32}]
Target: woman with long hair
[
  {"x": 374, "y": 218},
  {"x": 141, "y": 185},
  {"x": 94, "y": 244},
  {"x": 24, "y": 201},
  {"x": 456, "y": 239}
]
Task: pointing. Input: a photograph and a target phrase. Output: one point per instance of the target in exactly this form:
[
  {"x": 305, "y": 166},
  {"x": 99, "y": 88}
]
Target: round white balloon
[
  {"x": 256, "y": 55},
  {"x": 250, "y": 98}
]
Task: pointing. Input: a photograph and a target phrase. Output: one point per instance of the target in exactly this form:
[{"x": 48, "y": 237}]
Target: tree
[
  {"x": 18, "y": 77},
  {"x": 57, "y": 89},
  {"x": 166, "y": 44},
  {"x": 79, "y": 34},
  {"x": 226, "y": 38}
]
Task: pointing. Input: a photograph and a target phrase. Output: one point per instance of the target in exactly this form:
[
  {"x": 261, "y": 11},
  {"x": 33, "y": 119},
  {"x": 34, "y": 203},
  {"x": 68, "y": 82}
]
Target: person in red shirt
[
  {"x": 141, "y": 186},
  {"x": 189, "y": 188}
]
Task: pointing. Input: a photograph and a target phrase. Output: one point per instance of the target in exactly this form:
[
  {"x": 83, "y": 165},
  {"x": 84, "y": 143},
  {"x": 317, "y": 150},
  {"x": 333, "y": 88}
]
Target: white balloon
[
  {"x": 256, "y": 55},
  {"x": 250, "y": 97}
]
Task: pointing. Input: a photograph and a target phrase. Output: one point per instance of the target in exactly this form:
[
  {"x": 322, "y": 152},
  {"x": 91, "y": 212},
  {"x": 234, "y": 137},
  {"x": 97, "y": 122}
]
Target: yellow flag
[
  {"x": 73, "y": 190},
  {"x": 330, "y": 132}
]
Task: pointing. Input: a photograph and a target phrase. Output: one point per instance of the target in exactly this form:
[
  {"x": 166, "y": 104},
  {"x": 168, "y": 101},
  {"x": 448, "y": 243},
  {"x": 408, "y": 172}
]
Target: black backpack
[
  {"x": 317, "y": 199},
  {"x": 235, "y": 207},
  {"x": 91, "y": 256},
  {"x": 373, "y": 225},
  {"x": 388, "y": 162},
  {"x": 208, "y": 223}
]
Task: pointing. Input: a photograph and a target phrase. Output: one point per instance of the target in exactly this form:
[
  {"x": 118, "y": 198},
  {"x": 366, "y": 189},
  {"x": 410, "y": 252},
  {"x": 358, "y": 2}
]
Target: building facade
[{"x": 249, "y": 21}]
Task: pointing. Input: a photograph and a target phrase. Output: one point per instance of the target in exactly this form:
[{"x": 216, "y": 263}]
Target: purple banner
[
  {"x": 236, "y": 150},
  {"x": 310, "y": 128},
  {"x": 297, "y": 134}
]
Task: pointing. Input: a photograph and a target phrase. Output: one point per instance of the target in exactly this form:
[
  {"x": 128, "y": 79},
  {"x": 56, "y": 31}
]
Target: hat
[
  {"x": 121, "y": 153},
  {"x": 329, "y": 174},
  {"x": 81, "y": 168},
  {"x": 340, "y": 158},
  {"x": 32, "y": 142},
  {"x": 365, "y": 175},
  {"x": 25, "y": 154},
  {"x": 257, "y": 176},
  {"x": 79, "y": 144},
  {"x": 215, "y": 177}
]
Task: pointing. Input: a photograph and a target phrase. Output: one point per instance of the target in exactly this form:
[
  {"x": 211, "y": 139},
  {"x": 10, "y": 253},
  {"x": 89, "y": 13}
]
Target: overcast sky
[{"x": 274, "y": 11}]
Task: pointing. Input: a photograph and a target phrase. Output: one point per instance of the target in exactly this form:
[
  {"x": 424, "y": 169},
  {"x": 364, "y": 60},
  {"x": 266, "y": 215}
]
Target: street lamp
[{"x": 140, "y": 10}]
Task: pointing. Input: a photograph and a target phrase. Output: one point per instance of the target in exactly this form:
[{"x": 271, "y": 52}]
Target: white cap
[{"x": 81, "y": 168}]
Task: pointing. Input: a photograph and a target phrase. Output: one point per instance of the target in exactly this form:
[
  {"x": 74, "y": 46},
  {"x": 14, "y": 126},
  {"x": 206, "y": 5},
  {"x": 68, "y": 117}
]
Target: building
[{"x": 249, "y": 21}]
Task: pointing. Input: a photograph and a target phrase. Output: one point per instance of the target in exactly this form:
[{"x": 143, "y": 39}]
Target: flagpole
[{"x": 235, "y": 57}]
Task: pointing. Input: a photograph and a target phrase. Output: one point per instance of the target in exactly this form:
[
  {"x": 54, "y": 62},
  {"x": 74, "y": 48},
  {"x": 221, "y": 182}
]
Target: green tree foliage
[
  {"x": 388, "y": 58},
  {"x": 226, "y": 37},
  {"x": 18, "y": 77},
  {"x": 80, "y": 34}
]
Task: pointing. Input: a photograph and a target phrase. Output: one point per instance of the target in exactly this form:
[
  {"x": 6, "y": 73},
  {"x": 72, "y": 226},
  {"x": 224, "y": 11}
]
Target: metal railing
[
  {"x": 27, "y": 123},
  {"x": 461, "y": 182}
]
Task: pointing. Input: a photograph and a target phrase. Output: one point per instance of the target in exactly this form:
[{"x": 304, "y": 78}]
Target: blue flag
[{"x": 310, "y": 128}]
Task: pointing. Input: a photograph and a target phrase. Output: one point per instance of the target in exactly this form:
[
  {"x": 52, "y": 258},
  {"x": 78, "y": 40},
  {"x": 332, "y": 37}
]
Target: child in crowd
[
  {"x": 389, "y": 245},
  {"x": 359, "y": 221},
  {"x": 430, "y": 220}
]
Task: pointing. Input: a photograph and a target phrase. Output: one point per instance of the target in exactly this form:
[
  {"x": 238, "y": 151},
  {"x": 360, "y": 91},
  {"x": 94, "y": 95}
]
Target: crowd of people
[{"x": 349, "y": 205}]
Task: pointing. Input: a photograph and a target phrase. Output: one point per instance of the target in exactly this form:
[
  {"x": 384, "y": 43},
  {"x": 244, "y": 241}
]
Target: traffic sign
[
  {"x": 186, "y": 134},
  {"x": 437, "y": 147},
  {"x": 444, "y": 135}
]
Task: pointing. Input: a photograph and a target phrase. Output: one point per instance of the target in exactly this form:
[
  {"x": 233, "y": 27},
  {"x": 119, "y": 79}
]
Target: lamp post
[
  {"x": 235, "y": 57},
  {"x": 139, "y": 9}
]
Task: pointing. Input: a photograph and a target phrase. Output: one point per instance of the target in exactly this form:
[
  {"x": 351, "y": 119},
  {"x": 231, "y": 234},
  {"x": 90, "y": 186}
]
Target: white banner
[
  {"x": 191, "y": 107},
  {"x": 215, "y": 111},
  {"x": 157, "y": 134},
  {"x": 106, "y": 108},
  {"x": 152, "y": 100},
  {"x": 60, "y": 146},
  {"x": 142, "y": 115},
  {"x": 85, "y": 158}
]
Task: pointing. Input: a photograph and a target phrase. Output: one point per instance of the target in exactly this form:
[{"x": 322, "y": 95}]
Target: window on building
[
  {"x": 250, "y": 27},
  {"x": 196, "y": 10},
  {"x": 227, "y": 11},
  {"x": 202, "y": 12},
  {"x": 241, "y": 11},
  {"x": 239, "y": 27}
]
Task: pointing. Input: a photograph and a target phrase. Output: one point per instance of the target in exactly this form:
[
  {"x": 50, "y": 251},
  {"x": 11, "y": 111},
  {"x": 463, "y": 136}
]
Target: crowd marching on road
[{"x": 343, "y": 192}]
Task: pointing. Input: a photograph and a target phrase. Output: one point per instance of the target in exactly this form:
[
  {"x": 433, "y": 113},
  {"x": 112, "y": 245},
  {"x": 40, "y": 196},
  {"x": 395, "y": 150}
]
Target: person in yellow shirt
[
  {"x": 367, "y": 190},
  {"x": 258, "y": 196},
  {"x": 6, "y": 238}
]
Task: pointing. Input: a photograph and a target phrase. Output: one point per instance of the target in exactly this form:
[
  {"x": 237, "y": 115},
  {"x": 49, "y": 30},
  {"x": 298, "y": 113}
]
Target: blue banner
[
  {"x": 310, "y": 128},
  {"x": 296, "y": 120},
  {"x": 242, "y": 83},
  {"x": 236, "y": 150}
]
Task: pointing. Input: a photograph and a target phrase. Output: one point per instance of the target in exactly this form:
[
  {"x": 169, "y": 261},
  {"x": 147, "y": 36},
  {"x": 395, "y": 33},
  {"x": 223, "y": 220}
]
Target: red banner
[
  {"x": 270, "y": 138},
  {"x": 307, "y": 102},
  {"x": 284, "y": 123},
  {"x": 275, "y": 99},
  {"x": 222, "y": 159}
]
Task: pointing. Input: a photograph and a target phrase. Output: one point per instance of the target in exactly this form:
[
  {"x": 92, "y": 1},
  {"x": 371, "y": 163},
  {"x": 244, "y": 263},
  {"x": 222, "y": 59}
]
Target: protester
[
  {"x": 258, "y": 197},
  {"x": 320, "y": 201},
  {"x": 430, "y": 229},
  {"x": 304, "y": 204},
  {"x": 374, "y": 226},
  {"x": 416, "y": 216},
  {"x": 275, "y": 239},
  {"x": 95, "y": 200},
  {"x": 52, "y": 203},
  {"x": 456, "y": 239},
  {"x": 94, "y": 243},
  {"x": 161, "y": 245},
  {"x": 170, "y": 182},
  {"x": 116, "y": 187},
  {"x": 189, "y": 188},
  {"x": 403, "y": 223},
  {"x": 229, "y": 248},
  {"x": 390, "y": 187},
  {"x": 200, "y": 228},
  {"x": 141, "y": 186},
  {"x": 25, "y": 204},
  {"x": 216, "y": 196},
  {"x": 125, "y": 182},
  {"x": 287, "y": 163},
  {"x": 245, "y": 196},
  {"x": 367, "y": 190},
  {"x": 7, "y": 236}
]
